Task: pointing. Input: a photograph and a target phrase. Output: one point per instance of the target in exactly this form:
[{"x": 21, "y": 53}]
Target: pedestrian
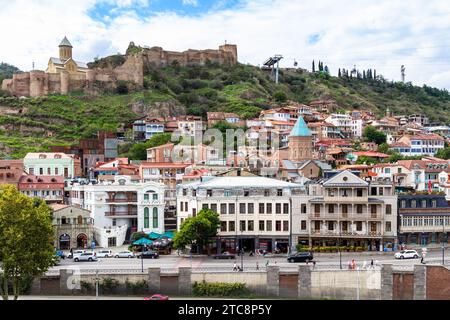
[
  {"x": 371, "y": 264},
  {"x": 257, "y": 265},
  {"x": 267, "y": 263},
  {"x": 353, "y": 264},
  {"x": 235, "y": 267},
  {"x": 314, "y": 264}
]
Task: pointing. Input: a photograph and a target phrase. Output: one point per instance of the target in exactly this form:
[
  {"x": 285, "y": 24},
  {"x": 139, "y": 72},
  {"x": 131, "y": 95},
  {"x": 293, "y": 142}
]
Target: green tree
[
  {"x": 373, "y": 135},
  {"x": 383, "y": 148},
  {"x": 197, "y": 231},
  {"x": 443, "y": 153},
  {"x": 313, "y": 66},
  {"x": 26, "y": 237},
  {"x": 280, "y": 96},
  {"x": 138, "y": 151},
  {"x": 366, "y": 160}
]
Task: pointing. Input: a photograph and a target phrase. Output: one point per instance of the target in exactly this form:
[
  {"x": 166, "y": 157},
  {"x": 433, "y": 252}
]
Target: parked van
[
  {"x": 76, "y": 253},
  {"x": 104, "y": 254}
]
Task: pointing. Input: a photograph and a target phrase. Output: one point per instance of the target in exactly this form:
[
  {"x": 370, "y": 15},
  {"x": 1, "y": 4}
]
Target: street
[{"x": 173, "y": 261}]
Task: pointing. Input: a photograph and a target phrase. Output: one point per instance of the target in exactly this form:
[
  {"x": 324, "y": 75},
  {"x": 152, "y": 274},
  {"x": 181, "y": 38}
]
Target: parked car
[
  {"x": 407, "y": 254},
  {"x": 225, "y": 255},
  {"x": 157, "y": 297},
  {"x": 300, "y": 257},
  {"x": 104, "y": 254},
  {"x": 124, "y": 254},
  {"x": 87, "y": 256},
  {"x": 75, "y": 253},
  {"x": 149, "y": 255}
]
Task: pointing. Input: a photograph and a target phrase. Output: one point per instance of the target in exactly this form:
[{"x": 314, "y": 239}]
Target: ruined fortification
[{"x": 39, "y": 83}]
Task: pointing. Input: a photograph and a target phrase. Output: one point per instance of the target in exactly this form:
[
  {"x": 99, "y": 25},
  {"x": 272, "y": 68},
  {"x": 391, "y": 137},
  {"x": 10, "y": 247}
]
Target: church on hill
[
  {"x": 300, "y": 142},
  {"x": 65, "y": 62}
]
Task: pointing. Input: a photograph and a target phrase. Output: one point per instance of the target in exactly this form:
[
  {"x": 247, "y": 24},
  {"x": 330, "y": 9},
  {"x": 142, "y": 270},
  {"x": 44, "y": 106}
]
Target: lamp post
[
  {"x": 443, "y": 247},
  {"x": 339, "y": 248},
  {"x": 242, "y": 253},
  {"x": 142, "y": 258}
]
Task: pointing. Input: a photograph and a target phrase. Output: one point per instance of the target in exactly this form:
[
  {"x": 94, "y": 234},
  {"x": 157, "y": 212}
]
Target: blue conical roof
[{"x": 300, "y": 129}]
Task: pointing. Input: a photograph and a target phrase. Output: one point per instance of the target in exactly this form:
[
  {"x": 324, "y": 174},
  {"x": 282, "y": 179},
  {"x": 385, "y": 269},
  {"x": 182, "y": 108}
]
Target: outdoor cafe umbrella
[{"x": 143, "y": 242}]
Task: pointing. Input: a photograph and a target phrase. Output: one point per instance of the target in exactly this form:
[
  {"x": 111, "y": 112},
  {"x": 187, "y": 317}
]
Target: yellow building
[{"x": 65, "y": 62}]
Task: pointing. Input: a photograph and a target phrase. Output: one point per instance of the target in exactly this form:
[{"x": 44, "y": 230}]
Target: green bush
[
  {"x": 140, "y": 287},
  {"x": 86, "y": 287},
  {"x": 108, "y": 285},
  {"x": 219, "y": 289}
]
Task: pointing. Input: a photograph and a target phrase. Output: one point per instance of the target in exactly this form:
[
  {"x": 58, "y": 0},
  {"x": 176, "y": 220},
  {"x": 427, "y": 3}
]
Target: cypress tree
[
  {"x": 313, "y": 67},
  {"x": 339, "y": 73}
]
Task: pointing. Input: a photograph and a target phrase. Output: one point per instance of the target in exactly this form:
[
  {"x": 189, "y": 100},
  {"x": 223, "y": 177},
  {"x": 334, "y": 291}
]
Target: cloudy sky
[{"x": 379, "y": 34}]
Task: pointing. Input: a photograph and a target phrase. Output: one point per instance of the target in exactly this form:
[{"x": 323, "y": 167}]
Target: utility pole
[{"x": 271, "y": 62}]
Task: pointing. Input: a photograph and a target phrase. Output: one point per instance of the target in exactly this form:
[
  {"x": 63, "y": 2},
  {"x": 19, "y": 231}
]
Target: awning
[
  {"x": 154, "y": 235},
  {"x": 142, "y": 242}
]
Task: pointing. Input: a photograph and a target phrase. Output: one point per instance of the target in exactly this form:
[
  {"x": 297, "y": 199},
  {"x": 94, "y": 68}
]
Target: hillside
[
  {"x": 7, "y": 70},
  {"x": 31, "y": 124}
]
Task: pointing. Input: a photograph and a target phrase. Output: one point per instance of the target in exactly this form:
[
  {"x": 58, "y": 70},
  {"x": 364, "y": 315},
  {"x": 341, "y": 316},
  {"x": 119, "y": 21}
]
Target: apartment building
[
  {"x": 419, "y": 145},
  {"x": 255, "y": 212},
  {"x": 423, "y": 219},
  {"x": 48, "y": 188},
  {"x": 121, "y": 208},
  {"x": 11, "y": 171},
  {"x": 348, "y": 126},
  {"x": 347, "y": 210},
  {"x": 55, "y": 164}
]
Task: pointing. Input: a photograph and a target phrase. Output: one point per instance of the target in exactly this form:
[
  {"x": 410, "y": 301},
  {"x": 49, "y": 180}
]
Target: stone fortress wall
[{"x": 37, "y": 83}]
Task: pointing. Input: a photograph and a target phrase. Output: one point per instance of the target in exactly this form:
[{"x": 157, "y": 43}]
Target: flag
[{"x": 429, "y": 186}]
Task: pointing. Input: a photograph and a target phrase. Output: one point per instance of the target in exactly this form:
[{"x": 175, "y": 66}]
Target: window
[
  {"x": 285, "y": 208},
  {"x": 413, "y": 203},
  {"x": 317, "y": 208},
  {"x": 261, "y": 208},
  {"x": 205, "y": 206},
  {"x": 278, "y": 208},
  {"x": 261, "y": 225},
  {"x": 344, "y": 208},
  {"x": 269, "y": 225},
  {"x": 381, "y": 191},
  {"x": 184, "y": 192},
  {"x": 358, "y": 226},
  {"x": 155, "y": 198},
  {"x": 330, "y": 225},
  {"x": 278, "y": 225},
  {"x": 433, "y": 203},
  {"x": 231, "y": 226},
  {"x": 250, "y": 225},
  {"x": 146, "y": 198},
  {"x": 331, "y": 208},
  {"x": 285, "y": 225},
  {"x": 146, "y": 218},
  {"x": 373, "y": 208},
  {"x": 279, "y": 192},
  {"x": 214, "y": 207},
  {"x": 303, "y": 224},
  {"x": 242, "y": 225},
  {"x": 269, "y": 208},
  {"x": 242, "y": 208},
  {"x": 317, "y": 225},
  {"x": 250, "y": 208},
  {"x": 209, "y": 193},
  {"x": 155, "y": 218},
  {"x": 41, "y": 171},
  {"x": 359, "y": 192},
  {"x": 194, "y": 193},
  {"x": 373, "y": 191},
  {"x": 388, "y": 209},
  {"x": 223, "y": 226},
  {"x": 223, "y": 208},
  {"x": 359, "y": 208},
  {"x": 227, "y": 193},
  {"x": 231, "y": 208},
  {"x": 31, "y": 170},
  {"x": 303, "y": 208},
  {"x": 266, "y": 193},
  {"x": 403, "y": 204},
  {"x": 49, "y": 172},
  {"x": 246, "y": 193}
]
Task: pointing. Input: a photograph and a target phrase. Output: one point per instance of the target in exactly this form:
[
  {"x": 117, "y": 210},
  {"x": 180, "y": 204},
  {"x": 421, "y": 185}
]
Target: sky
[{"x": 377, "y": 34}]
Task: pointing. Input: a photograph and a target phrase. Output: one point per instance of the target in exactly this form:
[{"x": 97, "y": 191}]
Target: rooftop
[
  {"x": 241, "y": 182},
  {"x": 300, "y": 129}
]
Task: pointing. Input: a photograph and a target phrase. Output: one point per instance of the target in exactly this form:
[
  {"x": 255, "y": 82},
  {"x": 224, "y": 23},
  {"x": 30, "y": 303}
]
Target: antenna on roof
[{"x": 33, "y": 65}]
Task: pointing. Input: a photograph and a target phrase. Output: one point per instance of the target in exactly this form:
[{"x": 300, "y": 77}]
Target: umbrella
[
  {"x": 168, "y": 234},
  {"x": 143, "y": 242},
  {"x": 154, "y": 235}
]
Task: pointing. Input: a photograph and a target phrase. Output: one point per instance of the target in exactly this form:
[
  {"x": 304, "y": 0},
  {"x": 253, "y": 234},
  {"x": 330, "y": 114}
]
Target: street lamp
[
  {"x": 242, "y": 252},
  {"x": 443, "y": 247},
  {"x": 339, "y": 248}
]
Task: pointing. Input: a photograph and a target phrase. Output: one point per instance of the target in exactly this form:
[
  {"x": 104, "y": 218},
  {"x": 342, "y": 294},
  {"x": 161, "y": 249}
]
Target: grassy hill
[
  {"x": 7, "y": 70},
  {"x": 34, "y": 124}
]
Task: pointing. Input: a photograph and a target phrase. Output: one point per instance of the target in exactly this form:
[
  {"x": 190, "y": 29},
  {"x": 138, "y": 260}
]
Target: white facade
[
  {"x": 257, "y": 209},
  {"x": 348, "y": 126},
  {"x": 122, "y": 207}
]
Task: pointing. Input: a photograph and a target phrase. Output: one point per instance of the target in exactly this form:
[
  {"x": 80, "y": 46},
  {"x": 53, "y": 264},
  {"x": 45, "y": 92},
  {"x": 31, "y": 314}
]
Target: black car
[
  {"x": 225, "y": 255},
  {"x": 149, "y": 255},
  {"x": 300, "y": 257}
]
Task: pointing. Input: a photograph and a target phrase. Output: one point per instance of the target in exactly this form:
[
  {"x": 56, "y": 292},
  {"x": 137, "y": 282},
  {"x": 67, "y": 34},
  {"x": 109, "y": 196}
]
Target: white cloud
[
  {"x": 381, "y": 35},
  {"x": 190, "y": 3}
]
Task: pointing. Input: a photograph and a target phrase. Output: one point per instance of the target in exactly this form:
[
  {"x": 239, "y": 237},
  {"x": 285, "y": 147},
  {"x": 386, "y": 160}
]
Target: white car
[
  {"x": 76, "y": 253},
  {"x": 407, "y": 254},
  {"x": 104, "y": 254},
  {"x": 87, "y": 256},
  {"x": 124, "y": 254}
]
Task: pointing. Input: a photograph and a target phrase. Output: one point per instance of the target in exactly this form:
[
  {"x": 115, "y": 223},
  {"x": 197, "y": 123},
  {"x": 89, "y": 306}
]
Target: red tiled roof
[
  {"x": 372, "y": 154},
  {"x": 165, "y": 165}
]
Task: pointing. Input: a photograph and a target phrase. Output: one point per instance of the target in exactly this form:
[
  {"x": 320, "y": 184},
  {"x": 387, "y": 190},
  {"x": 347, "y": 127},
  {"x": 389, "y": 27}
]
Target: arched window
[
  {"x": 146, "y": 218},
  {"x": 80, "y": 220},
  {"x": 155, "y": 218}
]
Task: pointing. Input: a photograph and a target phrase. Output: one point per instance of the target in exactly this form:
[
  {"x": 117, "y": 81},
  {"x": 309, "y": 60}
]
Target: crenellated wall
[{"x": 39, "y": 83}]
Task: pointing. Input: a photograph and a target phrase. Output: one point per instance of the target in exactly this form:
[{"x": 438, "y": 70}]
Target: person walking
[
  {"x": 235, "y": 267},
  {"x": 267, "y": 263},
  {"x": 353, "y": 264},
  {"x": 371, "y": 264},
  {"x": 257, "y": 265}
]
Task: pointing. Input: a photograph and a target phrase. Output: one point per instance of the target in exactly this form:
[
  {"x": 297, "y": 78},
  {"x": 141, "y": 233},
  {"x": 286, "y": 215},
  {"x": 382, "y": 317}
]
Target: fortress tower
[{"x": 300, "y": 142}]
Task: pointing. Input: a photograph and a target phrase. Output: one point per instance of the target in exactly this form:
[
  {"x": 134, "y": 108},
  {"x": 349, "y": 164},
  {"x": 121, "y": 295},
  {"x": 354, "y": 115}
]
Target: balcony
[
  {"x": 345, "y": 234},
  {"x": 131, "y": 200},
  {"x": 131, "y": 213},
  {"x": 348, "y": 216}
]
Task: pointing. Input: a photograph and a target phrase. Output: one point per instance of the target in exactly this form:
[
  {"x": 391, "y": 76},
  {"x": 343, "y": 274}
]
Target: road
[{"x": 173, "y": 261}]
